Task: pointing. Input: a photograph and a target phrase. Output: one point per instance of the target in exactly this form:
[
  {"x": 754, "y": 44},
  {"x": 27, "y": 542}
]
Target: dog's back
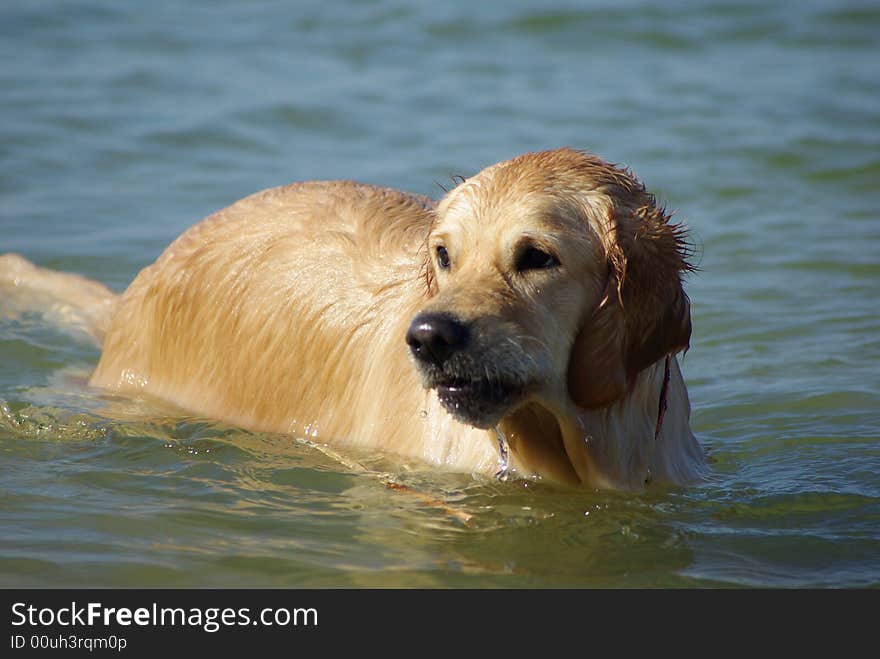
[{"x": 278, "y": 311}]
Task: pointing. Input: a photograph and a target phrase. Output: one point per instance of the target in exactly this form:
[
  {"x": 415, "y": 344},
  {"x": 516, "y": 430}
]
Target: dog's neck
[{"x": 644, "y": 437}]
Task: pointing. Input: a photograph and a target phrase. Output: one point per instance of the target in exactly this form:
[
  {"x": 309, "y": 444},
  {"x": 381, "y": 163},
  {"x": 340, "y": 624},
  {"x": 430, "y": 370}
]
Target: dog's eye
[
  {"x": 532, "y": 258},
  {"x": 442, "y": 257}
]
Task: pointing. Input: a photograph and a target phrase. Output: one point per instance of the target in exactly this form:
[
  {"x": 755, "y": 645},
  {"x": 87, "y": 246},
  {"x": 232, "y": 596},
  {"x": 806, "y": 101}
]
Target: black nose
[{"x": 434, "y": 337}]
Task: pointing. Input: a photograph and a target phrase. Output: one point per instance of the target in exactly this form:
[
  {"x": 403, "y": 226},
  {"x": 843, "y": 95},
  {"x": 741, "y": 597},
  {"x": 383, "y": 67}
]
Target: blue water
[{"x": 759, "y": 123}]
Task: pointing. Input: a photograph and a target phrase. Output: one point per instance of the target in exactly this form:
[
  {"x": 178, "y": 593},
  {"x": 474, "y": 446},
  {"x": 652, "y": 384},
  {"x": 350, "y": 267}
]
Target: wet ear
[
  {"x": 644, "y": 314},
  {"x": 596, "y": 369}
]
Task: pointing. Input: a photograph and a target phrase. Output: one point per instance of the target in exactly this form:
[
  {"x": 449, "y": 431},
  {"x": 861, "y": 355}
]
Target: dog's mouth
[{"x": 478, "y": 402}]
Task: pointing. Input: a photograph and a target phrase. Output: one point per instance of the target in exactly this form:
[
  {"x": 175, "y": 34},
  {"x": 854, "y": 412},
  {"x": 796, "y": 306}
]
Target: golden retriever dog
[{"x": 525, "y": 325}]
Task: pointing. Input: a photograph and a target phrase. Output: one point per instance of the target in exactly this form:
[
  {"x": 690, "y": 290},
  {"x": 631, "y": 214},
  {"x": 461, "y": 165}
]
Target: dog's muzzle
[{"x": 442, "y": 347}]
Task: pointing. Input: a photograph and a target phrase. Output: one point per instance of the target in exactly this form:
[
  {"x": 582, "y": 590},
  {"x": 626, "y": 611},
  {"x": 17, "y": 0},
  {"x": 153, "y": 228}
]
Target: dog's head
[{"x": 550, "y": 277}]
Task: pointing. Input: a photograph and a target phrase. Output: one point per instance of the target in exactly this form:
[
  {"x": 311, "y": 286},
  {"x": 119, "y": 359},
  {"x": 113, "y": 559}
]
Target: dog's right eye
[
  {"x": 442, "y": 257},
  {"x": 532, "y": 258}
]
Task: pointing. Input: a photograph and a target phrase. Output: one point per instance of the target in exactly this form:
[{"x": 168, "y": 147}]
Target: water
[{"x": 123, "y": 123}]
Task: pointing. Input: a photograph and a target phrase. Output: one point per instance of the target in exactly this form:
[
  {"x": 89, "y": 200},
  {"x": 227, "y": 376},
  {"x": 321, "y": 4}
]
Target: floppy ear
[{"x": 644, "y": 314}]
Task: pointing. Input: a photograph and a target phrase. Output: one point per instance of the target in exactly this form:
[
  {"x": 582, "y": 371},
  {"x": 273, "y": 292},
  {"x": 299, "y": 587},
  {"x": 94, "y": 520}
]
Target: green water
[{"x": 123, "y": 123}]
